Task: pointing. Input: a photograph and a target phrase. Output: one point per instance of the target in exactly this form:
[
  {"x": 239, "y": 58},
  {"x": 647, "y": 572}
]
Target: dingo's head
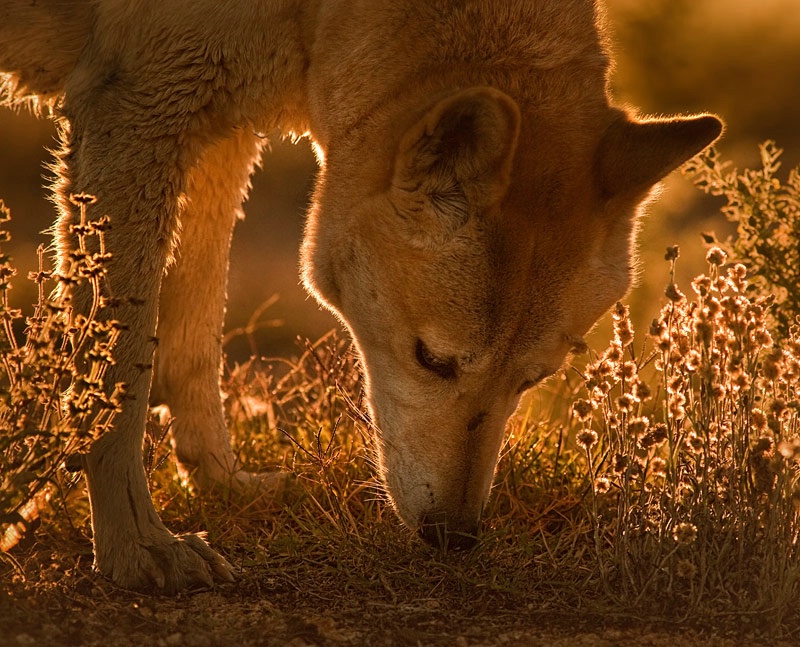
[{"x": 467, "y": 261}]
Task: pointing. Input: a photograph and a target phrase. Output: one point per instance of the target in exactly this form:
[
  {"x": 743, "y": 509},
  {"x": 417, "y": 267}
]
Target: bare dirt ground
[{"x": 306, "y": 599}]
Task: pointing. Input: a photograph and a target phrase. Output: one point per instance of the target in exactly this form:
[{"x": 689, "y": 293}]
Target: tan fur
[{"x": 473, "y": 216}]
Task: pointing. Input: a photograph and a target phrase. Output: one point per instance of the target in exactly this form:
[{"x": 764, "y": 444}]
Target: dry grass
[{"x": 657, "y": 483}]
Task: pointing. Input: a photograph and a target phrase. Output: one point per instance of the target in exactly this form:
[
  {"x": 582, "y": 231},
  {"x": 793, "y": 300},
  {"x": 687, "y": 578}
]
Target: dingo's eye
[{"x": 444, "y": 368}]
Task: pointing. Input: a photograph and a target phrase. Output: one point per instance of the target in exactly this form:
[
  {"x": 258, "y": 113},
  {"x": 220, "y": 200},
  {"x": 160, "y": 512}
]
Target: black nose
[{"x": 440, "y": 534}]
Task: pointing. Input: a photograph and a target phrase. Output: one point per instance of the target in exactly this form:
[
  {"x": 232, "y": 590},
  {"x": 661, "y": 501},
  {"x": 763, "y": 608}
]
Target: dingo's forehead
[{"x": 486, "y": 299}]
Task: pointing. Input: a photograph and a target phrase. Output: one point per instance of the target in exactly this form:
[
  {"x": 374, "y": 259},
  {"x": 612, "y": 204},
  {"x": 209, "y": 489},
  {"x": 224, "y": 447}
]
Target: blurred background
[{"x": 740, "y": 60}]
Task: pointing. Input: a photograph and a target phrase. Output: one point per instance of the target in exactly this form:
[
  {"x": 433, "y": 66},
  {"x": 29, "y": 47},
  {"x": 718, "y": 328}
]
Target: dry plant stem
[
  {"x": 598, "y": 544},
  {"x": 58, "y": 347}
]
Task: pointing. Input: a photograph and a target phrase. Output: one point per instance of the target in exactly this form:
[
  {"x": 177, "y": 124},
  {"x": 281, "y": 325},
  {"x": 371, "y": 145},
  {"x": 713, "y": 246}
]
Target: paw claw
[
  {"x": 170, "y": 566},
  {"x": 224, "y": 573},
  {"x": 215, "y": 564}
]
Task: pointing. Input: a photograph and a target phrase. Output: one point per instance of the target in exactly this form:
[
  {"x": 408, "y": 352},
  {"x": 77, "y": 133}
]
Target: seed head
[
  {"x": 586, "y": 438},
  {"x": 716, "y": 256},
  {"x": 676, "y": 405},
  {"x": 778, "y": 407},
  {"x": 82, "y": 198},
  {"x": 692, "y": 361},
  {"x": 628, "y": 370},
  {"x": 758, "y": 419},
  {"x": 704, "y": 330},
  {"x": 685, "y": 533},
  {"x": 657, "y": 328},
  {"x": 625, "y": 402},
  {"x": 647, "y": 441},
  {"x": 672, "y": 253},
  {"x": 641, "y": 391},
  {"x": 582, "y": 409},
  {"x": 701, "y": 285},
  {"x": 658, "y": 466},
  {"x": 772, "y": 365},
  {"x": 763, "y": 445},
  {"x": 660, "y": 433},
  {"x": 673, "y": 293},
  {"x": 602, "y": 485},
  {"x": 639, "y": 426},
  {"x": 741, "y": 381},
  {"x": 685, "y": 569},
  {"x": 623, "y": 331},
  {"x": 695, "y": 443},
  {"x": 732, "y": 305},
  {"x": 613, "y": 353},
  {"x": 762, "y": 338}
]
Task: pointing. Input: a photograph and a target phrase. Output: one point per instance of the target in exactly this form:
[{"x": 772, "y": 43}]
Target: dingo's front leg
[
  {"x": 191, "y": 314},
  {"x": 132, "y": 546},
  {"x": 132, "y": 163}
]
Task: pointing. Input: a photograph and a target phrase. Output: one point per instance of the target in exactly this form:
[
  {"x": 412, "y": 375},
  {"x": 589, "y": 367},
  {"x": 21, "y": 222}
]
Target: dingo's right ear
[
  {"x": 634, "y": 155},
  {"x": 456, "y": 161}
]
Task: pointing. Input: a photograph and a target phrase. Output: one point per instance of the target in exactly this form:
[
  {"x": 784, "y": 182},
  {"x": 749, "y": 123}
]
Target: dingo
[{"x": 473, "y": 217}]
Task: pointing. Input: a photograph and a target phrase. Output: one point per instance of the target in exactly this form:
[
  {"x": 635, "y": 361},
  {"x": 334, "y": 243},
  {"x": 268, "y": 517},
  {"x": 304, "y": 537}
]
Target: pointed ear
[
  {"x": 634, "y": 155},
  {"x": 458, "y": 157}
]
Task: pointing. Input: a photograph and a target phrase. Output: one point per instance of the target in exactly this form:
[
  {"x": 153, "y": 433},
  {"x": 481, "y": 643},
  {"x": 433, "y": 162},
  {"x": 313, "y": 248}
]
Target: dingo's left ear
[
  {"x": 634, "y": 155},
  {"x": 457, "y": 158}
]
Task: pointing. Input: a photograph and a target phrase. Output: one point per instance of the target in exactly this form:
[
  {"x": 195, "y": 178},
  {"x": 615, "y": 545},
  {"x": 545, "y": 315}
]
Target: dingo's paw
[
  {"x": 171, "y": 564},
  {"x": 274, "y": 485}
]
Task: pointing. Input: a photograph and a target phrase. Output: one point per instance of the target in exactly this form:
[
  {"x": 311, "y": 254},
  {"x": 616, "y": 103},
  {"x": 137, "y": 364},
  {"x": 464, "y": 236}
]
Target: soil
[{"x": 57, "y": 600}]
